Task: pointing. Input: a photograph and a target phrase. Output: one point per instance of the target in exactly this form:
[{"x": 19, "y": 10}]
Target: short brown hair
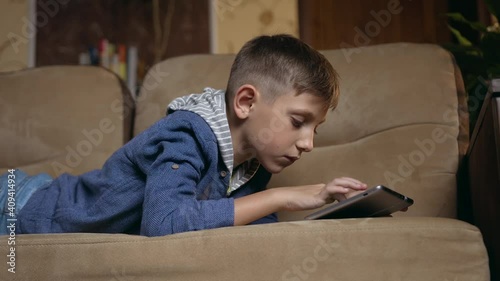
[{"x": 274, "y": 62}]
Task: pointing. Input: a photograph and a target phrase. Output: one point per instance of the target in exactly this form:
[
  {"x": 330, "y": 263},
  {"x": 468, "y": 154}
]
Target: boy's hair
[{"x": 275, "y": 64}]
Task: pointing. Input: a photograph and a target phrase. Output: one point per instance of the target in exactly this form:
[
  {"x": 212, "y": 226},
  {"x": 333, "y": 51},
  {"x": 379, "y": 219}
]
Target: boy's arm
[
  {"x": 175, "y": 160},
  {"x": 254, "y": 206}
]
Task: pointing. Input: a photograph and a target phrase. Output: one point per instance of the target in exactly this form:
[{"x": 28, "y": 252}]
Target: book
[
  {"x": 119, "y": 58},
  {"x": 93, "y": 55},
  {"x": 122, "y": 61},
  {"x": 84, "y": 58},
  {"x": 132, "y": 63},
  {"x": 104, "y": 53}
]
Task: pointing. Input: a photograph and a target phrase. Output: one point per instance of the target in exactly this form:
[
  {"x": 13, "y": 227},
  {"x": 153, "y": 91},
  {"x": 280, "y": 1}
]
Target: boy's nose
[{"x": 306, "y": 144}]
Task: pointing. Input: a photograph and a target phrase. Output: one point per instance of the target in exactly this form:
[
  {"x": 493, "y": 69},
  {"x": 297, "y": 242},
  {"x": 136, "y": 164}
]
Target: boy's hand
[
  {"x": 348, "y": 188},
  {"x": 254, "y": 206},
  {"x": 315, "y": 196}
]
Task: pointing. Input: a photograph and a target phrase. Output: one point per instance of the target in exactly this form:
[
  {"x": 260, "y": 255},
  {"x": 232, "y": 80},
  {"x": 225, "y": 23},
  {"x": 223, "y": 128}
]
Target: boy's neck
[{"x": 240, "y": 152}]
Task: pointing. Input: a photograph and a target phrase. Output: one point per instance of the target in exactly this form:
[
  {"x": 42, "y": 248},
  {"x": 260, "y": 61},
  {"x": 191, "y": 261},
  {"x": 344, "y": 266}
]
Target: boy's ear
[{"x": 244, "y": 100}]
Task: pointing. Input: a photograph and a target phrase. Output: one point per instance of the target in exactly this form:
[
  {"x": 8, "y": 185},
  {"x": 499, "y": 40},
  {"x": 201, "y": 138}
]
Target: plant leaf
[
  {"x": 460, "y": 49},
  {"x": 457, "y": 17},
  {"x": 461, "y": 39}
]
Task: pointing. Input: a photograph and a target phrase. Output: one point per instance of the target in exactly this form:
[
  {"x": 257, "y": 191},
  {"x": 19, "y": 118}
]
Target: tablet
[{"x": 374, "y": 202}]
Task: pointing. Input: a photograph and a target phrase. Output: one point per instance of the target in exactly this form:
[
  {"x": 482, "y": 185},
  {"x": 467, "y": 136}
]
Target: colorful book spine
[
  {"x": 84, "y": 59},
  {"x": 132, "y": 70},
  {"x": 119, "y": 58},
  {"x": 122, "y": 61},
  {"x": 94, "y": 55},
  {"x": 104, "y": 53}
]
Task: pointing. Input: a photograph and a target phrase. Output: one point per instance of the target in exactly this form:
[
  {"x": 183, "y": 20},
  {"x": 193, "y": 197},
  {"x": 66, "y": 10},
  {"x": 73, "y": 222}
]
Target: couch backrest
[
  {"x": 401, "y": 121},
  {"x": 62, "y": 118}
]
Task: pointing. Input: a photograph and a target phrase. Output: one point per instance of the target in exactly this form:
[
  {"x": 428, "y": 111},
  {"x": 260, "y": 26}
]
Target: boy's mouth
[{"x": 292, "y": 159}]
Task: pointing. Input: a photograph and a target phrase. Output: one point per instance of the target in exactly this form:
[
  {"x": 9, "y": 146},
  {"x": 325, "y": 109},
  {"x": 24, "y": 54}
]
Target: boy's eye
[{"x": 296, "y": 123}]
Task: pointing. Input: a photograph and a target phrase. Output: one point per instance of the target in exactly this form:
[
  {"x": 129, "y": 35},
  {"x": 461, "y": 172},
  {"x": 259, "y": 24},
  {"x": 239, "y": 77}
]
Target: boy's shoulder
[{"x": 183, "y": 121}]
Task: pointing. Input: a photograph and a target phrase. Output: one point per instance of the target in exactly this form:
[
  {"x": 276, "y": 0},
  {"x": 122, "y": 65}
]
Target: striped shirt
[{"x": 211, "y": 106}]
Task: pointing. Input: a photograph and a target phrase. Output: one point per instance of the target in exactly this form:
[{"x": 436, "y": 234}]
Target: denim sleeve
[
  {"x": 267, "y": 219},
  {"x": 178, "y": 158}
]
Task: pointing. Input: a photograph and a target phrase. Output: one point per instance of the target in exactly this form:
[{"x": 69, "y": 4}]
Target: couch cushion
[
  {"x": 410, "y": 249},
  {"x": 62, "y": 118},
  {"x": 398, "y": 122}
]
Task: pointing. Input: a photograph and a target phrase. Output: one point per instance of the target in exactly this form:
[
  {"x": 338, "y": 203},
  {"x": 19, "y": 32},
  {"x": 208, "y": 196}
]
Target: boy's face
[{"x": 279, "y": 132}]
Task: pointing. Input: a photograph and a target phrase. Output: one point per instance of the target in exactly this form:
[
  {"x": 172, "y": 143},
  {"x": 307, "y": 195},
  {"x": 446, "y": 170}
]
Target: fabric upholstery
[
  {"x": 431, "y": 249},
  {"x": 401, "y": 121},
  {"x": 398, "y": 122},
  {"x": 62, "y": 118}
]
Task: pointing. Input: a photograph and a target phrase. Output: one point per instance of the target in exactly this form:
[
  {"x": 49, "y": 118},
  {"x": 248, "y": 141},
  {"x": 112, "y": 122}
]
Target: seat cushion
[{"x": 431, "y": 249}]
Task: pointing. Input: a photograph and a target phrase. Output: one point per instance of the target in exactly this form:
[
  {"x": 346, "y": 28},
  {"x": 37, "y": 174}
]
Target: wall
[
  {"x": 159, "y": 28},
  {"x": 233, "y": 22},
  {"x": 17, "y": 35},
  {"x": 70, "y": 27},
  {"x": 334, "y": 24}
]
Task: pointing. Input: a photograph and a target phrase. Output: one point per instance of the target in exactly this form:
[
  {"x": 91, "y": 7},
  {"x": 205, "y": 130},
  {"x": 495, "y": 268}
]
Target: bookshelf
[
  {"x": 119, "y": 58},
  {"x": 154, "y": 29}
]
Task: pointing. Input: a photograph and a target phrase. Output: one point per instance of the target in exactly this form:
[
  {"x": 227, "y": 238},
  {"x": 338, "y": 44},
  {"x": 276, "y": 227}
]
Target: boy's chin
[{"x": 273, "y": 168}]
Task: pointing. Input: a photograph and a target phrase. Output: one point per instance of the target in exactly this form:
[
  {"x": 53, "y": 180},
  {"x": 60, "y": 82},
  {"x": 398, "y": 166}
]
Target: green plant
[{"x": 478, "y": 57}]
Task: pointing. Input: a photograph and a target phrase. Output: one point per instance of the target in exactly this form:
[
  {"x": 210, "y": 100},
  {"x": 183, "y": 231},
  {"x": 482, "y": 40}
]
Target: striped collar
[{"x": 211, "y": 106}]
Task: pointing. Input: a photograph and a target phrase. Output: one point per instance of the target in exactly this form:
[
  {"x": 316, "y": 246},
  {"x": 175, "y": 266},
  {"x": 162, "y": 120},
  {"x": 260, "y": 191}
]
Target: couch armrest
[
  {"x": 483, "y": 160},
  {"x": 417, "y": 248}
]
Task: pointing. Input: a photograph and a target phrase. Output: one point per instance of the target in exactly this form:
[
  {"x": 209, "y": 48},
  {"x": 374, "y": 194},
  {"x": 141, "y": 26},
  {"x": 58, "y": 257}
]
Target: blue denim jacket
[{"x": 168, "y": 179}]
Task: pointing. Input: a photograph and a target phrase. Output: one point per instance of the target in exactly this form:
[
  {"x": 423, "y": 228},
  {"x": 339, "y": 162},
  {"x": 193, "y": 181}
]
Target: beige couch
[{"x": 401, "y": 121}]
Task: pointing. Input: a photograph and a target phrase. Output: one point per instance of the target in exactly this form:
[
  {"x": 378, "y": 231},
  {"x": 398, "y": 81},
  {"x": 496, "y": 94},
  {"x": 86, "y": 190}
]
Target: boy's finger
[
  {"x": 353, "y": 180},
  {"x": 350, "y": 183},
  {"x": 337, "y": 189}
]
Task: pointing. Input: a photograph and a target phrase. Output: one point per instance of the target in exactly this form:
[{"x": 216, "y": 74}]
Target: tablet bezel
[{"x": 374, "y": 202}]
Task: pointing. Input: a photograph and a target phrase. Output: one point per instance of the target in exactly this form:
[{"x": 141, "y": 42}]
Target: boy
[{"x": 206, "y": 164}]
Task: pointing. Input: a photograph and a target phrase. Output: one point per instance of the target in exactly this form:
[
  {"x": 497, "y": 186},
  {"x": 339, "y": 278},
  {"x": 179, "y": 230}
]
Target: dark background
[{"x": 324, "y": 24}]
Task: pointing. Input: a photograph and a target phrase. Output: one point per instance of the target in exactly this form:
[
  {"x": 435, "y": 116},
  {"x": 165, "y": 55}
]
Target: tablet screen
[{"x": 374, "y": 202}]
